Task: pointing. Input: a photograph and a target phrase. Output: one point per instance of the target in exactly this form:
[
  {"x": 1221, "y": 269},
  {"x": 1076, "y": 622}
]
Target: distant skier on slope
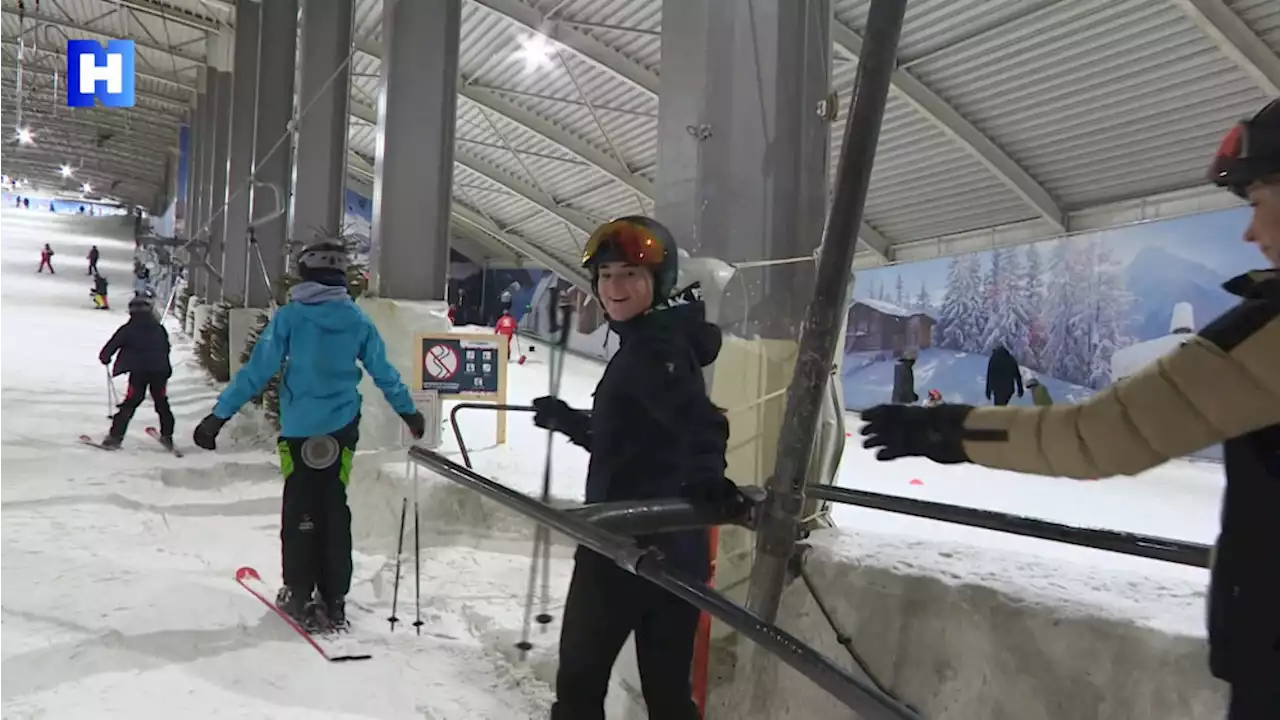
[
  {"x": 93, "y": 260},
  {"x": 904, "y": 380},
  {"x": 506, "y": 327},
  {"x": 46, "y": 259},
  {"x": 1003, "y": 375},
  {"x": 99, "y": 292},
  {"x": 652, "y": 432},
  {"x": 1221, "y": 386},
  {"x": 141, "y": 348},
  {"x": 318, "y": 336}
]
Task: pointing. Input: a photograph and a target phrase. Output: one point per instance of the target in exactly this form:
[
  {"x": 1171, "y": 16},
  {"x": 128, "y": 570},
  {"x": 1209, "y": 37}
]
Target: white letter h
[{"x": 112, "y": 73}]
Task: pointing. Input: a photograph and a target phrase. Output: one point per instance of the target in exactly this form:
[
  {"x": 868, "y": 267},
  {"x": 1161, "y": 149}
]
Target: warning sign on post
[
  {"x": 465, "y": 367},
  {"x": 461, "y": 365}
]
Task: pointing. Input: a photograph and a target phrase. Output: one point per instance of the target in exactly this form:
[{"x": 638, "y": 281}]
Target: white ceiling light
[
  {"x": 536, "y": 51},
  {"x": 86, "y": 188},
  {"x": 24, "y": 136},
  {"x": 66, "y": 171}
]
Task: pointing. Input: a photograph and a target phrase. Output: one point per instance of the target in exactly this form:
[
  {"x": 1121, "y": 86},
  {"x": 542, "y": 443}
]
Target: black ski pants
[
  {"x": 1255, "y": 698},
  {"x": 315, "y": 521},
  {"x": 139, "y": 385},
  {"x": 605, "y": 605},
  {"x": 1002, "y": 396}
]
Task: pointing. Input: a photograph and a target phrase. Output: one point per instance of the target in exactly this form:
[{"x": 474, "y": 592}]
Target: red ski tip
[{"x": 247, "y": 573}]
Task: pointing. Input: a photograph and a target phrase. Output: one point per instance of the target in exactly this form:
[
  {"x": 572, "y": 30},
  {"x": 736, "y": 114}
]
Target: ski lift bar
[
  {"x": 861, "y": 697},
  {"x": 646, "y": 517},
  {"x": 1147, "y": 546}
]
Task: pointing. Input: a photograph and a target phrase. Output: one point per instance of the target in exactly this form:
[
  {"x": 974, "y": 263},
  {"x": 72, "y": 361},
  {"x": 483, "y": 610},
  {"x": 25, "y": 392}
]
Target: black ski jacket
[
  {"x": 652, "y": 427},
  {"x": 1003, "y": 374},
  {"x": 904, "y": 382},
  {"x": 143, "y": 347}
]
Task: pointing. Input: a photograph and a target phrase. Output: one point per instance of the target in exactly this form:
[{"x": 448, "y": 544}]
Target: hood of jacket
[
  {"x": 681, "y": 318},
  {"x": 328, "y": 306}
]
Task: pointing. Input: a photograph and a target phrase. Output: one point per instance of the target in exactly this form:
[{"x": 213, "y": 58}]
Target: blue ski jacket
[{"x": 317, "y": 336}]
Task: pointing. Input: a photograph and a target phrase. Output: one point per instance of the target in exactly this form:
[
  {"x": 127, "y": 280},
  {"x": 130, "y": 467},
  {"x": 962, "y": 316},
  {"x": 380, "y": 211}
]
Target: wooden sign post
[{"x": 464, "y": 366}]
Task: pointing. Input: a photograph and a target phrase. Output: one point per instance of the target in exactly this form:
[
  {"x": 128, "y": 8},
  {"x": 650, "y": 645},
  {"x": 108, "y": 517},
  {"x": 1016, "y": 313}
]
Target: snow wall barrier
[{"x": 959, "y": 632}]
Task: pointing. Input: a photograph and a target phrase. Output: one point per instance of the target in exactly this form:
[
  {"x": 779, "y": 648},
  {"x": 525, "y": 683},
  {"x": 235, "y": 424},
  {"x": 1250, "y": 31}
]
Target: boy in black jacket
[
  {"x": 143, "y": 347},
  {"x": 652, "y": 432}
]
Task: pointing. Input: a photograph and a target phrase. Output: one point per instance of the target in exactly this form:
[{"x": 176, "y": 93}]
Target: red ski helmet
[{"x": 1250, "y": 151}]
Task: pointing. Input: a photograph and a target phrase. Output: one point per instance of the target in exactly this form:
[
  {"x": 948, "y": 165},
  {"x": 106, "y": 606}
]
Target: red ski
[
  {"x": 94, "y": 443},
  {"x": 155, "y": 435},
  {"x": 331, "y": 647}
]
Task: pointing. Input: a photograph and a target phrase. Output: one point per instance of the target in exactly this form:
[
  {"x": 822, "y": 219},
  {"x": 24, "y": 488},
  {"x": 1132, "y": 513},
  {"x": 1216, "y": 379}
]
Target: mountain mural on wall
[
  {"x": 1158, "y": 280},
  {"x": 1064, "y": 307}
]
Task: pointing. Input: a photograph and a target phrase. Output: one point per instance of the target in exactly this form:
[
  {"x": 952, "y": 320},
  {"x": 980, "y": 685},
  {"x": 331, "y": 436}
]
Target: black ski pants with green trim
[{"x": 315, "y": 521}]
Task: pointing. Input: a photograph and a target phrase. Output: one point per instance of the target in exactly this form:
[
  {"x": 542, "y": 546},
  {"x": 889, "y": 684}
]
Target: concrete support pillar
[
  {"x": 272, "y": 150},
  {"x": 320, "y": 174},
  {"x": 195, "y": 177},
  {"x": 244, "y": 113},
  {"x": 219, "y": 51},
  {"x": 413, "y": 164},
  {"x": 743, "y": 159}
]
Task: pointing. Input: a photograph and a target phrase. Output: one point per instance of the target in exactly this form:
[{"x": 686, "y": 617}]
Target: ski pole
[
  {"x": 417, "y": 569},
  {"x": 395, "y": 588},
  {"x": 111, "y": 393},
  {"x": 542, "y": 536}
]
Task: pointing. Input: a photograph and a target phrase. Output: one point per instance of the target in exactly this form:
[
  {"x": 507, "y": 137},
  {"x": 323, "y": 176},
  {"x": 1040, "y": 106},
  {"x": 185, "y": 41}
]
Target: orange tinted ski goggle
[{"x": 629, "y": 242}]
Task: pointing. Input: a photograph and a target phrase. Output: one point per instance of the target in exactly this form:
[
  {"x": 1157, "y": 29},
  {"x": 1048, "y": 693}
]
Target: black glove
[
  {"x": 417, "y": 424},
  {"x": 104, "y": 359},
  {"x": 206, "y": 433},
  {"x": 552, "y": 413},
  {"x": 936, "y": 433},
  {"x": 721, "y": 493}
]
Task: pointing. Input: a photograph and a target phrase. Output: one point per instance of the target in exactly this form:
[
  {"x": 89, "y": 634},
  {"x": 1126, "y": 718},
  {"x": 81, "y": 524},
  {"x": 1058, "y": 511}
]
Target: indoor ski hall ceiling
[{"x": 1007, "y": 119}]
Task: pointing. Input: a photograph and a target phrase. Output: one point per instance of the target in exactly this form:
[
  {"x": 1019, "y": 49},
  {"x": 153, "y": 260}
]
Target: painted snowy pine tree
[
  {"x": 899, "y": 293},
  {"x": 1033, "y": 290},
  {"x": 922, "y": 302},
  {"x": 962, "y": 306},
  {"x": 1067, "y": 311},
  {"x": 1010, "y": 321},
  {"x": 1110, "y": 313}
]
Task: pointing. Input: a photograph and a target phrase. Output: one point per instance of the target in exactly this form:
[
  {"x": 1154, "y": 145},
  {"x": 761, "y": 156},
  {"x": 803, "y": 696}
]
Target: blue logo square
[{"x": 105, "y": 74}]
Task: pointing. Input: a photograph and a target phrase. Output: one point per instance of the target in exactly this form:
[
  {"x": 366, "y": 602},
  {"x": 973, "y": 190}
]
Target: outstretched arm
[
  {"x": 373, "y": 355},
  {"x": 264, "y": 362},
  {"x": 112, "y": 347},
  {"x": 1221, "y": 384}
]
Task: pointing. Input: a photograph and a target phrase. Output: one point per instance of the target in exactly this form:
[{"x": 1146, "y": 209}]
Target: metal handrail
[
  {"x": 869, "y": 702},
  {"x": 1126, "y": 543},
  {"x": 457, "y": 432}
]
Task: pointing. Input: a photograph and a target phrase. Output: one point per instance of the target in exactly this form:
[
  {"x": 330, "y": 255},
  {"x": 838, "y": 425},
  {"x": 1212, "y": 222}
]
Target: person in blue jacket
[{"x": 316, "y": 337}]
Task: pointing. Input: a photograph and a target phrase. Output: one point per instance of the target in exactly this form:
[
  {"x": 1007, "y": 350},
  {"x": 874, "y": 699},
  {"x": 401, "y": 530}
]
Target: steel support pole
[{"x": 779, "y": 528}]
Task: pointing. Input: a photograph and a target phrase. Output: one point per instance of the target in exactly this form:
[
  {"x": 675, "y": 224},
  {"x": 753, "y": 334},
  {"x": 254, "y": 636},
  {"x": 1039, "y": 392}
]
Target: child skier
[
  {"x": 317, "y": 337},
  {"x": 141, "y": 347},
  {"x": 1039, "y": 393},
  {"x": 46, "y": 259},
  {"x": 99, "y": 292},
  {"x": 506, "y": 327}
]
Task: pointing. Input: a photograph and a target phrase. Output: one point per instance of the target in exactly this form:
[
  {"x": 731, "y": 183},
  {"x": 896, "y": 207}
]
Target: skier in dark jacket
[
  {"x": 904, "y": 381},
  {"x": 93, "y": 260},
  {"x": 652, "y": 433},
  {"x": 1003, "y": 375},
  {"x": 315, "y": 340},
  {"x": 1222, "y": 386},
  {"x": 141, "y": 347},
  {"x": 46, "y": 259}
]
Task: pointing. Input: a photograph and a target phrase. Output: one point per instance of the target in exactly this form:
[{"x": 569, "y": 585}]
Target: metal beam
[
  {"x": 76, "y": 125},
  {"x": 545, "y": 202},
  {"x": 494, "y": 102},
  {"x": 1236, "y": 40},
  {"x": 55, "y": 162},
  {"x": 78, "y": 27},
  {"x": 580, "y": 43},
  {"x": 71, "y": 155},
  {"x": 153, "y": 97},
  {"x": 172, "y": 82},
  {"x": 950, "y": 121},
  {"x": 574, "y": 275},
  {"x": 360, "y": 179}
]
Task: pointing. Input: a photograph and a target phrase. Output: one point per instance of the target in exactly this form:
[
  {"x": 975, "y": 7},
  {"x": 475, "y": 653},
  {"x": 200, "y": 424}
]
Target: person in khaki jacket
[{"x": 1223, "y": 386}]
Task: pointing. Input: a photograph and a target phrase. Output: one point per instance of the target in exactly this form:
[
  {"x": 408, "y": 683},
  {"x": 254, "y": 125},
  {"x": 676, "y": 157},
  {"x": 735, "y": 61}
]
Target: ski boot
[
  {"x": 111, "y": 442},
  {"x": 293, "y": 604},
  {"x": 336, "y": 611},
  {"x": 167, "y": 442}
]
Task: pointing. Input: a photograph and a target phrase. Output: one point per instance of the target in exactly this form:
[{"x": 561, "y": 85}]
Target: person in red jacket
[
  {"x": 46, "y": 259},
  {"x": 506, "y": 327}
]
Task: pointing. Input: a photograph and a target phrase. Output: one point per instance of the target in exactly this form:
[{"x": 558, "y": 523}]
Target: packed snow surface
[{"x": 121, "y": 600}]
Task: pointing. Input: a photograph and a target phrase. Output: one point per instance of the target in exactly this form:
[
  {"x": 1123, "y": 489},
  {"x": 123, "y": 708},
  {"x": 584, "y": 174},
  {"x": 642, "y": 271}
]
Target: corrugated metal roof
[{"x": 1096, "y": 100}]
